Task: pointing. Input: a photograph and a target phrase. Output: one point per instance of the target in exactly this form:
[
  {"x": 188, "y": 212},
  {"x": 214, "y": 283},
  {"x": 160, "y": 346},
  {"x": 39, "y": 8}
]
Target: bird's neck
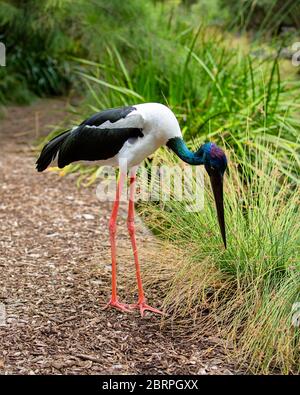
[{"x": 178, "y": 146}]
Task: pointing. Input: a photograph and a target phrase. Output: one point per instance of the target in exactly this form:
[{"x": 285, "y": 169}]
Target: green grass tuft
[{"x": 245, "y": 293}]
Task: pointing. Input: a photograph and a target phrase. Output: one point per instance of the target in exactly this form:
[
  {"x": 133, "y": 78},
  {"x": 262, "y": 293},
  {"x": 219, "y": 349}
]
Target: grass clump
[{"x": 245, "y": 294}]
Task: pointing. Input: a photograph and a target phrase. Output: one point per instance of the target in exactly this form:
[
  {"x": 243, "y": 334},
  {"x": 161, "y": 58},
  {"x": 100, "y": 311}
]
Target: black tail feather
[{"x": 50, "y": 151}]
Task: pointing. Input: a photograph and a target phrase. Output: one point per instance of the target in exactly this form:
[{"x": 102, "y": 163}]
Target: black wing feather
[
  {"x": 88, "y": 143},
  {"x": 112, "y": 115},
  {"x": 50, "y": 151}
]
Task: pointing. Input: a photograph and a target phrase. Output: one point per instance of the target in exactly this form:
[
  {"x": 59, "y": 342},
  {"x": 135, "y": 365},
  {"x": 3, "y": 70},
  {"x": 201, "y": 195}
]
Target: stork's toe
[
  {"x": 143, "y": 306},
  {"x": 118, "y": 305}
]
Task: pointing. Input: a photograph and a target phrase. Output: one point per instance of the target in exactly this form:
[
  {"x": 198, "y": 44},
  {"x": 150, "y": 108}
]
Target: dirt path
[{"x": 55, "y": 274}]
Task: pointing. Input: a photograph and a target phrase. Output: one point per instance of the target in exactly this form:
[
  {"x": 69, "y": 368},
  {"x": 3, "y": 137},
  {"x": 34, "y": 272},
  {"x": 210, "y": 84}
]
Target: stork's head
[
  {"x": 214, "y": 158},
  {"x": 215, "y": 163}
]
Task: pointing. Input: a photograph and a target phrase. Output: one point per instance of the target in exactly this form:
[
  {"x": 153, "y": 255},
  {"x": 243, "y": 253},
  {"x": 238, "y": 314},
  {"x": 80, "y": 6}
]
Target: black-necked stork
[{"x": 128, "y": 135}]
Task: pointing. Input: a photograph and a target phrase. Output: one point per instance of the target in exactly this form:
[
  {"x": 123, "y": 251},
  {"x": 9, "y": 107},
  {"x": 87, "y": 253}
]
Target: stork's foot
[
  {"x": 118, "y": 305},
  {"x": 143, "y": 306}
]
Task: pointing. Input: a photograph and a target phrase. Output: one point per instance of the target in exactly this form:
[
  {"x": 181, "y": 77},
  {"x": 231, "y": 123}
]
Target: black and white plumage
[
  {"x": 123, "y": 137},
  {"x": 130, "y": 133}
]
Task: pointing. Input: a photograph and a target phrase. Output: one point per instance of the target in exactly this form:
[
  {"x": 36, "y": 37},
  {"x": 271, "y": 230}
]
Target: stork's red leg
[
  {"x": 114, "y": 302},
  {"x": 141, "y": 304}
]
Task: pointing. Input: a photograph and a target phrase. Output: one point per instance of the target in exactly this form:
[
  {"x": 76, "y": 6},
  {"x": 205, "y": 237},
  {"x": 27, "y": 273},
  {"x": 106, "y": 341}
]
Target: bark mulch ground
[{"x": 55, "y": 274}]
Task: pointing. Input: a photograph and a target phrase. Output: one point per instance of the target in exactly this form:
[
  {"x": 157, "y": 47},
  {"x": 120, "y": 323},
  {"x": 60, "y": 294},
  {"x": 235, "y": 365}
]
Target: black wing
[
  {"x": 92, "y": 143},
  {"x": 92, "y": 140},
  {"x": 112, "y": 115}
]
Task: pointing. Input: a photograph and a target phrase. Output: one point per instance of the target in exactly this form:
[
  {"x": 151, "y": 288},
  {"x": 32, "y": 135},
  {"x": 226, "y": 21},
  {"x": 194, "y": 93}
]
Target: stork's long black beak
[{"x": 216, "y": 180}]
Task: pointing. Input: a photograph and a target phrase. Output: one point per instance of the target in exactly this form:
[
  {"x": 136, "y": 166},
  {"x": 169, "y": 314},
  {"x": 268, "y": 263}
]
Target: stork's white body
[{"x": 158, "y": 123}]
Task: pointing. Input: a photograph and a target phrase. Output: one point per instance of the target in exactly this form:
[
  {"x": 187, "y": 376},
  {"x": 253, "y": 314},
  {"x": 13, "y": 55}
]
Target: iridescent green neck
[{"x": 177, "y": 145}]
